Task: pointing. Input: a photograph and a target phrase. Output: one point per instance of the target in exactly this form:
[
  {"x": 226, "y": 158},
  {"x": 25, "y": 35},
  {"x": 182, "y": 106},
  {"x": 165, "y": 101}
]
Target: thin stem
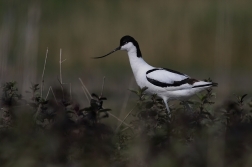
[
  {"x": 85, "y": 94},
  {"x": 124, "y": 129},
  {"x": 50, "y": 88},
  {"x": 61, "y": 79},
  {"x": 103, "y": 85},
  {"x": 48, "y": 93},
  {"x": 63, "y": 60},
  {"x": 126, "y": 98},
  {"x": 38, "y": 111},
  {"x": 125, "y": 118},
  {"x": 70, "y": 91},
  {"x": 60, "y": 66},
  {"x": 62, "y": 89},
  {"x": 43, "y": 74},
  {"x": 85, "y": 88},
  {"x": 118, "y": 119}
]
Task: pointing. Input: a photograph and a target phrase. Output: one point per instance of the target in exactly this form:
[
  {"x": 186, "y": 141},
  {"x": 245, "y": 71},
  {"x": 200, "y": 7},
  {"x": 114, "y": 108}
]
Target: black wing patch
[
  {"x": 166, "y": 69},
  {"x": 211, "y": 84},
  {"x": 175, "y": 83}
]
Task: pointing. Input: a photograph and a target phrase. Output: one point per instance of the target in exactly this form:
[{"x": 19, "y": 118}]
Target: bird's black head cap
[{"x": 126, "y": 39}]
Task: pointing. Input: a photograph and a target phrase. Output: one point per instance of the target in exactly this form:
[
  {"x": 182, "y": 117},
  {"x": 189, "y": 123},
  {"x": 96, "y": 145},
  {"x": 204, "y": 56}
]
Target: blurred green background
[{"x": 200, "y": 38}]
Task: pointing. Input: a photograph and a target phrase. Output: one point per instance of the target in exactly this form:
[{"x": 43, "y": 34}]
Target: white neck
[{"x": 137, "y": 63}]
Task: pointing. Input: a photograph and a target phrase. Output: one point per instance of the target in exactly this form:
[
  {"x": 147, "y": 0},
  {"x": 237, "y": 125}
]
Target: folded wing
[{"x": 171, "y": 79}]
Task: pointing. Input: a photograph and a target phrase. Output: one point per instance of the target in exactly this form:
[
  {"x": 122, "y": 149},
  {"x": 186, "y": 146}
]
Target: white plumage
[{"x": 167, "y": 84}]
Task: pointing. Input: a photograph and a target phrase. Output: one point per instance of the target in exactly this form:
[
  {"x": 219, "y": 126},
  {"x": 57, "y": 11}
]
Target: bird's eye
[{"x": 125, "y": 42}]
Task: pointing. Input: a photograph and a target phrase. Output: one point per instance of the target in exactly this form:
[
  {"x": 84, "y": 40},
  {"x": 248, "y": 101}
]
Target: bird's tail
[
  {"x": 205, "y": 84},
  {"x": 214, "y": 84}
]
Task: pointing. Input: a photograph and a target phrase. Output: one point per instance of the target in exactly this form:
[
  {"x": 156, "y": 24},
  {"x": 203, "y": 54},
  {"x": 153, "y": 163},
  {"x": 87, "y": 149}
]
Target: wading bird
[{"x": 166, "y": 83}]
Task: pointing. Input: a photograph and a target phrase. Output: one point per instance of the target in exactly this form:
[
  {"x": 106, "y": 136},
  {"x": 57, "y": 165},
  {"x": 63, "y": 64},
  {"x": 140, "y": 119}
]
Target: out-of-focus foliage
[{"x": 57, "y": 132}]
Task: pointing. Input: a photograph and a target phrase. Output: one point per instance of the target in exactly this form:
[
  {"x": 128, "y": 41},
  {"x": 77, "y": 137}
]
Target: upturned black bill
[{"x": 116, "y": 49}]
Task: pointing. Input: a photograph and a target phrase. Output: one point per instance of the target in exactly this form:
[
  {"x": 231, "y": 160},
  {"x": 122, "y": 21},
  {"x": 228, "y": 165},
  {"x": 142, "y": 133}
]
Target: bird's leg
[{"x": 167, "y": 107}]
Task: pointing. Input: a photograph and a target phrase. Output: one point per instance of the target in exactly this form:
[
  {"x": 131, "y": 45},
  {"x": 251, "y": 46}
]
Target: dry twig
[{"x": 43, "y": 74}]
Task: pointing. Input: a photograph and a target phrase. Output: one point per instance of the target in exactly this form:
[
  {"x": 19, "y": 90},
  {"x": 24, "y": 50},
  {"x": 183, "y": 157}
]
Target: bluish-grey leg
[{"x": 167, "y": 107}]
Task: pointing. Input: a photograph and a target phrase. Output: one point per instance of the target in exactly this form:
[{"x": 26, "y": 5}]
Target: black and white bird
[{"x": 166, "y": 83}]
